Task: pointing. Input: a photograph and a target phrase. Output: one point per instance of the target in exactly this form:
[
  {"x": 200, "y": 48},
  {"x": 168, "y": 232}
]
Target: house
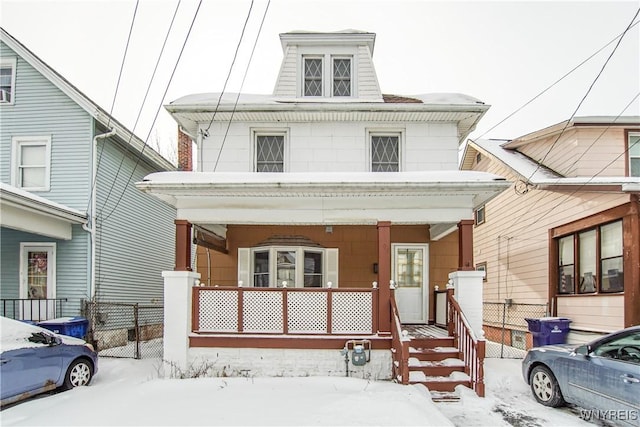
[
  {"x": 74, "y": 227},
  {"x": 306, "y": 204},
  {"x": 566, "y": 233}
]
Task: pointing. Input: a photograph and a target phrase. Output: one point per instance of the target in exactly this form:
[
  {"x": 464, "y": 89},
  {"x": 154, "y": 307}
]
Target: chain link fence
[
  {"x": 125, "y": 330},
  {"x": 506, "y": 329}
]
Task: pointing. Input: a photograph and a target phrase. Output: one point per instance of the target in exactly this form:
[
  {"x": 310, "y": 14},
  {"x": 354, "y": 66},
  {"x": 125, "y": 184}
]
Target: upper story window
[
  {"x": 269, "y": 150},
  {"x": 289, "y": 266},
  {"x": 591, "y": 261},
  {"x": 480, "y": 215},
  {"x": 7, "y": 80},
  {"x": 385, "y": 152},
  {"x": 31, "y": 162},
  {"x": 634, "y": 154},
  {"x": 334, "y": 80}
]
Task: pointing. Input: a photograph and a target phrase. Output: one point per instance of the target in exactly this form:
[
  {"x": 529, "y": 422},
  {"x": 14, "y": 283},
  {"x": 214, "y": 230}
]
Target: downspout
[{"x": 91, "y": 225}]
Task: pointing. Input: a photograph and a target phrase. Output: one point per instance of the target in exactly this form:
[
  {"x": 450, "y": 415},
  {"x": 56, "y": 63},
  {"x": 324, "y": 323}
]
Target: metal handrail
[{"x": 32, "y": 309}]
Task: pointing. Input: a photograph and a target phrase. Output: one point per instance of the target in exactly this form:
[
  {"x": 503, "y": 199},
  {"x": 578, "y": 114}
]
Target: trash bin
[
  {"x": 549, "y": 330},
  {"x": 71, "y": 326}
]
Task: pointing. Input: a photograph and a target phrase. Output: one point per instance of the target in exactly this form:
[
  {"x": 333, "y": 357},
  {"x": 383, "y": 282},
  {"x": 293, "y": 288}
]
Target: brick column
[
  {"x": 185, "y": 151},
  {"x": 183, "y": 245},
  {"x": 384, "y": 276},
  {"x": 465, "y": 245}
]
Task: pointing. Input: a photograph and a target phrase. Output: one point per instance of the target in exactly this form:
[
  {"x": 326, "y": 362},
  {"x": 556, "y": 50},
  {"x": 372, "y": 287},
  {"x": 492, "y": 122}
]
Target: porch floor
[{"x": 425, "y": 331}]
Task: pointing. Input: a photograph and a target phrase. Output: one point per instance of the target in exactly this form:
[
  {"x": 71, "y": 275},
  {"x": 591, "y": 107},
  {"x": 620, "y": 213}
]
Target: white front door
[
  {"x": 410, "y": 271},
  {"x": 37, "y": 280}
]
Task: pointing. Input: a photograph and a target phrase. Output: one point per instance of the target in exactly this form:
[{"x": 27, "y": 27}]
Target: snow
[
  {"x": 131, "y": 392},
  {"x": 15, "y": 335}
]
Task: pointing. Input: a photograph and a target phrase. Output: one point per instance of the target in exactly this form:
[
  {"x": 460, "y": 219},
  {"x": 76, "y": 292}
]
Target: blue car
[
  {"x": 602, "y": 376},
  {"x": 34, "y": 360}
]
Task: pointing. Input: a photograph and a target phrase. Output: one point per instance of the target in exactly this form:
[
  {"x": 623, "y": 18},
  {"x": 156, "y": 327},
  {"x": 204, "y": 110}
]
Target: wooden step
[
  {"x": 434, "y": 354},
  {"x": 431, "y": 342},
  {"x": 436, "y": 368},
  {"x": 444, "y": 396}
]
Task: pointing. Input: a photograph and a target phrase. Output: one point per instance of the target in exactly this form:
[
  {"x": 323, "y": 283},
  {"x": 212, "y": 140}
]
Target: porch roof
[
  {"x": 25, "y": 211},
  {"x": 354, "y": 198}
]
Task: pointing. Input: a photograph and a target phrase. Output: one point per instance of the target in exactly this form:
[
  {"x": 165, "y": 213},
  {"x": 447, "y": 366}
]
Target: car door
[
  {"x": 30, "y": 369},
  {"x": 604, "y": 380}
]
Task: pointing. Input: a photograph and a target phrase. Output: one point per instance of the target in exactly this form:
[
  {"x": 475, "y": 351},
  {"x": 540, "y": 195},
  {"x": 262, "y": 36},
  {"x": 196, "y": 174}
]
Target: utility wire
[
  {"x": 541, "y": 161},
  {"x": 235, "y": 55},
  {"x": 195, "y": 15},
  {"x": 246, "y": 71},
  {"x": 113, "y": 103},
  {"x": 144, "y": 100}
]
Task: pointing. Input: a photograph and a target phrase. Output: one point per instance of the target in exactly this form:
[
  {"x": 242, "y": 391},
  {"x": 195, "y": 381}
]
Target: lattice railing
[{"x": 284, "y": 310}]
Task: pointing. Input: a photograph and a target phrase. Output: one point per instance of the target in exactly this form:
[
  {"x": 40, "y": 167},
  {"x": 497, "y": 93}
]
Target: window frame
[
  {"x": 393, "y": 132},
  {"x": 578, "y": 285},
  {"x": 476, "y": 216},
  {"x": 256, "y": 133},
  {"x": 629, "y": 157},
  {"x": 304, "y": 75},
  {"x": 17, "y": 142},
  {"x": 333, "y": 76},
  {"x": 300, "y": 274},
  {"x": 10, "y": 62},
  {"x": 327, "y": 76}
]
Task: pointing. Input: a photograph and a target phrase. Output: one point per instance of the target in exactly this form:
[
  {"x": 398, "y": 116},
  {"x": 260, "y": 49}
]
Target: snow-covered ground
[{"x": 130, "y": 392}]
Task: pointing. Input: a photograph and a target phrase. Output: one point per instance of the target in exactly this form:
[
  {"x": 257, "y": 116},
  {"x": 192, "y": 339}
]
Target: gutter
[{"x": 91, "y": 226}]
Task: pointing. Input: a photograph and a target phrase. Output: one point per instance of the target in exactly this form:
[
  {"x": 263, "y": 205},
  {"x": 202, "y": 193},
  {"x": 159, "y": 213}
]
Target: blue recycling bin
[
  {"x": 72, "y": 326},
  {"x": 549, "y": 330}
]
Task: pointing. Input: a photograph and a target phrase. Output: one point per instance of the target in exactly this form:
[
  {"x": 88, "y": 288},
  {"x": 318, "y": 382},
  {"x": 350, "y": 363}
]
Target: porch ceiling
[{"x": 327, "y": 198}]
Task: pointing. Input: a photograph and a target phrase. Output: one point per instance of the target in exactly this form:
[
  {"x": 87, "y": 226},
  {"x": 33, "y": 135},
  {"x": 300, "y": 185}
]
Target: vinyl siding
[
  {"x": 367, "y": 80},
  {"x": 135, "y": 234},
  {"x": 286, "y": 84},
  {"x": 71, "y": 266},
  {"x": 41, "y": 109}
]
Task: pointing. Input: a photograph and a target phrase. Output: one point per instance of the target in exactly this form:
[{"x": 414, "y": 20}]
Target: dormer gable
[{"x": 328, "y": 67}]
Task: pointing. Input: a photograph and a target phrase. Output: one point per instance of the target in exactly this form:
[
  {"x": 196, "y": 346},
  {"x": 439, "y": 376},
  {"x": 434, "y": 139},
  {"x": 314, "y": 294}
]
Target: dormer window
[{"x": 318, "y": 82}]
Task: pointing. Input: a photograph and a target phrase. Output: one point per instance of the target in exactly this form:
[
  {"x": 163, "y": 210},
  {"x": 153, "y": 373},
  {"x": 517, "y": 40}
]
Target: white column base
[{"x": 467, "y": 287}]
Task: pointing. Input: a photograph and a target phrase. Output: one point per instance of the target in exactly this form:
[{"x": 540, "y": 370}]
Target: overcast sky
[{"x": 504, "y": 53}]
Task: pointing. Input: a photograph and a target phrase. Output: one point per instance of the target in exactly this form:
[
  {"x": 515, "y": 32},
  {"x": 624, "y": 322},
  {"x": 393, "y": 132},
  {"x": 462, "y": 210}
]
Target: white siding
[
  {"x": 286, "y": 84},
  {"x": 367, "y": 80}
]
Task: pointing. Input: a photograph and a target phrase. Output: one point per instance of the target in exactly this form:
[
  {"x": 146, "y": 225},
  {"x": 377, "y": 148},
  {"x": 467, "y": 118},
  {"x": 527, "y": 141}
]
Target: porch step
[
  {"x": 433, "y": 354},
  {"x": 443, "y": 367},
  {"x": 444, "y": 396}
]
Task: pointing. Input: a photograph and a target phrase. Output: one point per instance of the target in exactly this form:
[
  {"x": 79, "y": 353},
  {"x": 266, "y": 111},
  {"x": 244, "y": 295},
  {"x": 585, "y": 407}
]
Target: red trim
[
  {"x": 465, "y": 245},
  {"x": 320, "y": 342},
  {"x": 384, "y": 277},
  {"x": 183, "y": 245}
]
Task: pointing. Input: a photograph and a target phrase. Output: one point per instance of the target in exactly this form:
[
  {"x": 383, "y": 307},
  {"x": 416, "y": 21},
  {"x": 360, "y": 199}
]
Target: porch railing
[
  {"x": 472, "y": 349},
  {"x": 34, "y": 310},
  {"x": 284, "y": 310},
  {"x": 399, "y": 346}
]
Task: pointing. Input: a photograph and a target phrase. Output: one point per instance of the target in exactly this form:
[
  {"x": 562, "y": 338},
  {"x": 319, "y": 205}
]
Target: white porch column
[
  {"x": 467, "y": 290},
  {"x": 177, "y": 318}
]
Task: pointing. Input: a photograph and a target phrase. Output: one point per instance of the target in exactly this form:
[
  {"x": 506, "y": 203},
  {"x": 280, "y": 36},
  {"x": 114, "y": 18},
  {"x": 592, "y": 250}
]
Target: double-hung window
[
  {"x": 333, "y": 80},
  {"x": 7, "y": 80},
  {"x": 633, "y": 149},
  {"x": 385, "y": 152},
  {"x": 31, "y": 162},
  {"x": 269, "y": 151}
]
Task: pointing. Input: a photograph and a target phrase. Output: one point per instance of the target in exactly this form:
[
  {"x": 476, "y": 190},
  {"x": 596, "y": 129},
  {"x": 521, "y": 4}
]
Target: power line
[
  {"x": 113, "y": 103},
  {"x": 235, "y": 55},
  {"x": 541, "y": 161},
  {"x": 246, "y": 71},
  {"x": 195, "y": 15},
  {"x": 144, "y": 100}
]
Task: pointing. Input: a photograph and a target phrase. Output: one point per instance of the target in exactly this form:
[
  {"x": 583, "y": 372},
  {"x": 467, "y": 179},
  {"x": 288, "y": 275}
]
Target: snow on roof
[
  {"x": 6, "y": 189},
  {"x": 277, "y": 178},
  {"x": 517, "y": 161}
]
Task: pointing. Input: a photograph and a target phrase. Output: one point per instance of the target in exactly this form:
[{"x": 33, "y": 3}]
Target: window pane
[
  {"x": 33, "y": 155},
  {"x": 270, "y": 153},
  {"x": 566, "y": 263},
  {"x": 261, "y": 269},
  {"x": 286, "y": 268},
  {"x": 634, "y": 145},
  {"x": 611, "y": 240},
  {"x": 313, "y": 77},
  {"x": 588, "y": 262},
  {"x": 32, "y": 177},
  {"x": 313, "y": 269},
  {"x": 410, "y": 268},
  {"x": 342, "y": 77},
  {"x": 37, "y": 274},
  {"x": 612, "y": 275},
  {"x": 634, "y": 167},
  {"x": 385, "y": 153}
]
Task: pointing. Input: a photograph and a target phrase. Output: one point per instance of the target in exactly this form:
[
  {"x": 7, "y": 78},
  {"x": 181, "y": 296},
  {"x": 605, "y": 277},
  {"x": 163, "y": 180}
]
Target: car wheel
[
  {"x": 545, "y": 387},
  {"x": 79, "y": 373}
]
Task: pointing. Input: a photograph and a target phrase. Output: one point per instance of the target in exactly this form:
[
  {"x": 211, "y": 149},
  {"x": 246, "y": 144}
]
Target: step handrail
[
  {"x": 471, "y": 349},
  {"x": 399, "y": 345}
]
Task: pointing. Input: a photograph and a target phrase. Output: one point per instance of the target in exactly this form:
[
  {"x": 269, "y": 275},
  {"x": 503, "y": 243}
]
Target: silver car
[{"x": 602, "y": 376}]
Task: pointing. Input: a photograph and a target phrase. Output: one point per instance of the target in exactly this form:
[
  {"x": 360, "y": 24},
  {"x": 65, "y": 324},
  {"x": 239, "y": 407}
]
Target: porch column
[
  {"x": 465, "y": 245},
  {"x": 183, "y": 245},
  {"x": 467, "y": 289},
  {"x": 384, "y": 276},
  {"x": 177, "y": 320}
]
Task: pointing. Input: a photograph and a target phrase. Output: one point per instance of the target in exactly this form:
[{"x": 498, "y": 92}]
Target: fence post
[{"x": 136, "y": 325}]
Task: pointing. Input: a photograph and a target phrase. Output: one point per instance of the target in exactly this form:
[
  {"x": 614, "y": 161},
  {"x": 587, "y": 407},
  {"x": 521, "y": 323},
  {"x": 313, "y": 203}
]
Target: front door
[
  {"x": 410, "y": 271},
  {"x": 37, "y": 281}
]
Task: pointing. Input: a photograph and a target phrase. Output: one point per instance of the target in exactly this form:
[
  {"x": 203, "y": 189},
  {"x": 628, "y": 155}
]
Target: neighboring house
[
  {"x": 567, "y": 233},
  {"x": 74, "y": 227},
  {"x": 304, "y": 201}
]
